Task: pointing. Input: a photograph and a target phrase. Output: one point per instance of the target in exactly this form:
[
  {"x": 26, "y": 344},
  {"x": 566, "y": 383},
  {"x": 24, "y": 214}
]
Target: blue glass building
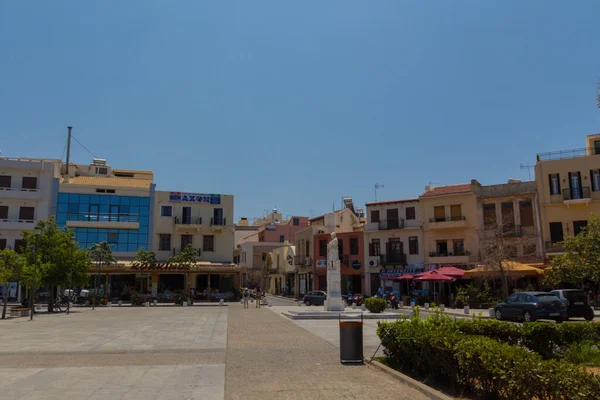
[{"x": 97, "y": 211}]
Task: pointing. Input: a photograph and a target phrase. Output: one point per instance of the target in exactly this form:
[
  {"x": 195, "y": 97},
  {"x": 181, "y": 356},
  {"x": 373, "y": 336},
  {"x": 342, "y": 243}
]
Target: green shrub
[
  {"x": 584, "y": 353},
  {"x": 375, "y": 305},
  {"x": 434, "y": 348}
]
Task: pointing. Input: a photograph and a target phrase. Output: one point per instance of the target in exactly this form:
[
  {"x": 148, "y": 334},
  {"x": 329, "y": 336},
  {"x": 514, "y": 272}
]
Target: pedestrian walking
[
  {"x": 192, "y": 293},
  {"x": 257, "y": 297},
  {"x": 246, "y": 297}
]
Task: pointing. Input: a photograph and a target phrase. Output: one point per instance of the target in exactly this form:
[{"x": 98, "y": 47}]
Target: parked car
[
  {"x": 530, "y": 306},
  {"x": 316, "y": 298},
  {"x": 577, "y": 303}
]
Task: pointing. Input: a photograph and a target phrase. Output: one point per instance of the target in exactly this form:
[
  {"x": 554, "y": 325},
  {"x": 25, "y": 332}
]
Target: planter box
[{"x": 19, "y": 312}]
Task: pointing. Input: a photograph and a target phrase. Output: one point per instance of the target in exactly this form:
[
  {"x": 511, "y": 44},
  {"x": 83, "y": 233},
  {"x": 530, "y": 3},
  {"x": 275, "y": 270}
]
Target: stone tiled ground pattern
[{"x": 285, "y": 361}]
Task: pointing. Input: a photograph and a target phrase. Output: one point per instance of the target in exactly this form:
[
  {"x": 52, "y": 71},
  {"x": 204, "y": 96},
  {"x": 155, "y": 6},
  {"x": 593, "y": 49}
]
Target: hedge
[
  {"x": 481, "y": 364},
  {"x": 375, "y": 305},
  {"x": 546, "y": 339}
]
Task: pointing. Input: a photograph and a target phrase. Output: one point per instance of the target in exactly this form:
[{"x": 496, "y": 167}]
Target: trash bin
[{"x": 351, "y": 341}]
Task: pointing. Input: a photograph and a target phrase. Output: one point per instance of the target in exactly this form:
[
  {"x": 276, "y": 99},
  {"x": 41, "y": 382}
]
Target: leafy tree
[
  {"x": 498, "y": 249},
  {"x": 147, "y": 260},
  {"x": 186, "y": 258},
  {"x": 101, "y": 253},
  {"x": 581, "y": 260},
  {"x": 11, "y": 267},
  {"x": 58, "y": 258}
]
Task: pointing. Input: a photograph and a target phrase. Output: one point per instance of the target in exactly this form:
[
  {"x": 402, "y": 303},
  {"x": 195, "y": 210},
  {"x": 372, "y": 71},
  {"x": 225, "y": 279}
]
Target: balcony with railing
[
  {"x": 577, "y": 195},
  {"x": 188, "y": 224},
  {"x": 393, "y": 258},
  {"x": 393, "y": 223},
  {"x": 20, "y": 193},
  {"x": 17, "y": 224},
  {"x": 456, "y": 257},
  {"x": 554, "y": 247},
  {"x": 455, "y": 221},
  {"x": 566, "y": 154},
  {"x": 218, "y": 222},
  {"x": 103, "y": 220}
]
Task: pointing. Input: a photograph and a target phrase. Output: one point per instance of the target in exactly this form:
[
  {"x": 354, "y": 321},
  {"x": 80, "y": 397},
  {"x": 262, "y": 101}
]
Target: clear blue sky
[{"x": 296, "y": 104}]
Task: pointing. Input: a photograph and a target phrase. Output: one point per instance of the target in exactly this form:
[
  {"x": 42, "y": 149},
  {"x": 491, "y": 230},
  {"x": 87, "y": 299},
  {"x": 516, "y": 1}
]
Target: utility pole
[{"x": 377, "y": 186}]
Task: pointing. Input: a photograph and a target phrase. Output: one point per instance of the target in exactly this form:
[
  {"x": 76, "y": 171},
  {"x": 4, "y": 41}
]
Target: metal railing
[
  {"x": 188, "y": 220},
  {"x": 512, "y": 231},
  {"x": 554, "y": 246},
  {"x": 218, "y": 221},
  {"x": 86, "y": 216},
  {"x": 393, "y": 259},
  {"x": 446, "y": 219},
  {"x": 459, "y": 253},
  {"x": 564, "y": 154},
  {"x": 577, "y": 193},
  {"x": 394, "y": 223}
]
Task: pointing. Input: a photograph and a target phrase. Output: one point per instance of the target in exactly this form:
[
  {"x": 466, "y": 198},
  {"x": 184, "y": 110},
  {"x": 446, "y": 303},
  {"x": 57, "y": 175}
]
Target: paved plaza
[{"x": 182, "y": 353}]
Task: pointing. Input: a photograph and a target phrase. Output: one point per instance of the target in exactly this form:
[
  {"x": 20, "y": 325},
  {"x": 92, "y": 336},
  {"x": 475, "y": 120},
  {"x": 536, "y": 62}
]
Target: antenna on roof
[
  {"x": 377, "y": 186},
  {"x": 528, "y": 167}
]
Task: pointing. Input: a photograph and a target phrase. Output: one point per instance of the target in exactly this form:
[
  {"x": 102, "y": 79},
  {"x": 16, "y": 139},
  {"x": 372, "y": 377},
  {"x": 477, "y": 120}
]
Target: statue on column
[{"x": 334, "y": 300}]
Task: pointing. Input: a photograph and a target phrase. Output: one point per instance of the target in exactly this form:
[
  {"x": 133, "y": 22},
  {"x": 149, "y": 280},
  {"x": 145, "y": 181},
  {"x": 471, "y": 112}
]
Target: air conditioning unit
[{"x": 374, "y": 263}]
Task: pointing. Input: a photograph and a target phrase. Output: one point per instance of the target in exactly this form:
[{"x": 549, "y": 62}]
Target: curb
[{"x": 421, "y": 387}]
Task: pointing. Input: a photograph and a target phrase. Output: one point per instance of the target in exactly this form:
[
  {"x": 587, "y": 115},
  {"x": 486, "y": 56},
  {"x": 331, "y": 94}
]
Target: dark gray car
[
  {"x": 577, "y": 303},
  {"x": 530, "y": 306},
  {"x": 316, "y": 298}
]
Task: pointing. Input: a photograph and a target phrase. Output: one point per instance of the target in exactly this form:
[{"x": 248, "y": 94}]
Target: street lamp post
[{"x": 38, "y": 232}]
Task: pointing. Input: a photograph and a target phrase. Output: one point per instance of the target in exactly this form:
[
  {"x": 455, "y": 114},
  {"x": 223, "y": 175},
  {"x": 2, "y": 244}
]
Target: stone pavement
[
  {"x": 170, "y": 353},
  {"x": 272, "y": 357}
]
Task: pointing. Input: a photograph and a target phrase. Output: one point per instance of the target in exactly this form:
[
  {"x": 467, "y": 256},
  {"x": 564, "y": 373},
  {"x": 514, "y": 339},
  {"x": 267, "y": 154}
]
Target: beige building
[
  {"x": 450, "y": 221},
  {"x": 568, "y": 186},
  {"x": 27, "y": 189},
  {"x": 204, "y": 221},
  {"x": 281, "y": 276},
  {"x": 393, "y": 240},
  {"x": 303, "y": 260},
  {"x": 510, "y": 211},
  {"x": 252, "y": 256}
]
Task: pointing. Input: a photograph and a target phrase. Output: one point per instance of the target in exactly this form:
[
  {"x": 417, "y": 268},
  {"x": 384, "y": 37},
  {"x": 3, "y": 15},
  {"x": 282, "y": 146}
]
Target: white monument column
[{"x": 334, "y": 300}]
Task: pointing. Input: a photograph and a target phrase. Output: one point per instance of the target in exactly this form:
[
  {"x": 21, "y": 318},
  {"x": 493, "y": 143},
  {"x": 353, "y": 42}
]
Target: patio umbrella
[
  {"x": 434, "y": 276},
  {"x": 451, "y": 271},
  {"x": 511, "y": 267}
]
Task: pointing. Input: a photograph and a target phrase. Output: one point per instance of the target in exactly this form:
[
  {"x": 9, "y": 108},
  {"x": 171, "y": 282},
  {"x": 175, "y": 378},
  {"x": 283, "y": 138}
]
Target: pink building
[{"x": 281, "y": 232}]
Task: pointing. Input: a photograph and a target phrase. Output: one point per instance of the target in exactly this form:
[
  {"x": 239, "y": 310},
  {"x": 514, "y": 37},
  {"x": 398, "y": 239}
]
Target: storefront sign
[
  {"x": 321, "y": 263},
  {"x": 195, "y": 198},
  {"x": 178, "y": 267},
  {"x": 356, "y": 264},
  {"x": 270, "y": 227},
  {"x": 399, "y": 272}
]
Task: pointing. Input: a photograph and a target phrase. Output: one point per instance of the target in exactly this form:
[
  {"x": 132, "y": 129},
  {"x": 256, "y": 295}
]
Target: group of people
[{"x": 257, "y": 294}]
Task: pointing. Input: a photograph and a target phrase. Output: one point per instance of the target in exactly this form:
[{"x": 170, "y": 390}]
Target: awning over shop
[
  {"x": 512, "y": 268},
  {"x": 201, "y": 266}
]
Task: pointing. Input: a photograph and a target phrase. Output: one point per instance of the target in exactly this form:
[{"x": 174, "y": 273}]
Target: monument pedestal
[{"x": 334, "y": 301}]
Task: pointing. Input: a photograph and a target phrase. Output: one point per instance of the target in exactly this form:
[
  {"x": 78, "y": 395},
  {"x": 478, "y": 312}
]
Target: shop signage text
[
  {"x": 321, "y": 263},
  {"x": 356, "y": 264},
  {"x": 195, "y": 198},
  {"x": 399, "y": 272},
  {"x": 136, "y": 266}
]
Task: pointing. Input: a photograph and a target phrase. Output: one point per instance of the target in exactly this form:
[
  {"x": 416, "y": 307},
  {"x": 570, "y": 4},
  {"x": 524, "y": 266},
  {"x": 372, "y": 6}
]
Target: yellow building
[
  {"x": 281, "y": 275},
  {"x": 449, "y": 215},
  {"x": 568, "y": 186}
]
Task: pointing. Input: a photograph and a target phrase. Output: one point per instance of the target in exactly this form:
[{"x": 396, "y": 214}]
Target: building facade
[
  {"x": 568, "y": 187},
  {"x": 509, "y": 212},
  {"x": 204, "y": 221},
  {"x": 450, "y": 220},
  {"x": 393, "y": 241},
  {"x": 281, "y": 276},
  {"x": 27, "y": 187},
  {"x": 281, "y": 232},
  {"x": 303, "y": 259}
]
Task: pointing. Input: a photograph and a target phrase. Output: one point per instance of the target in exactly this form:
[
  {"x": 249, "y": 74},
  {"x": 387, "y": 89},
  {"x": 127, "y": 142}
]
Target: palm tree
[{"x": 102, "y": 254}]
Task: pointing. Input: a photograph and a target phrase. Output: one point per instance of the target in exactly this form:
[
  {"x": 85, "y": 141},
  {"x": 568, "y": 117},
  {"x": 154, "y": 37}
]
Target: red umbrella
[
  {"x": 451, "y": 271},
  {"x": 434, "y": 276}
]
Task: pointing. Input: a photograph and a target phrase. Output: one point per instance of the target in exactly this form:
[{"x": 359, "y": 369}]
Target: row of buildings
[
  {"x": 123, "y": 208},
  {"x": 447, "y": 225}
]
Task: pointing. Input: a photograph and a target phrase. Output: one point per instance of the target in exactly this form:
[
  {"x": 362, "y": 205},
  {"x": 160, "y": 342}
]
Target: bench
[{"x": 19, "y": 312}]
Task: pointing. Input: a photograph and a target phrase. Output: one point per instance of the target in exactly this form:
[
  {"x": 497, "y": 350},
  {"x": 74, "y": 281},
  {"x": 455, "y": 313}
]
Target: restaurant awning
[
  {"x": 512, "y": 268},
  {"x": 451, "y": 271}
]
